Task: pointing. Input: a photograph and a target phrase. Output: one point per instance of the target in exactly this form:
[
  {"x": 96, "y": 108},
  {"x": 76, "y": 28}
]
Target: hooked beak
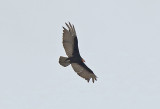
[{"x": 83, "y": 60}]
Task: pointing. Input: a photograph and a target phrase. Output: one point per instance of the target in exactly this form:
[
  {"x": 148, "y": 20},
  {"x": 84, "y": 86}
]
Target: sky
[{"x": 119, "y": 40}]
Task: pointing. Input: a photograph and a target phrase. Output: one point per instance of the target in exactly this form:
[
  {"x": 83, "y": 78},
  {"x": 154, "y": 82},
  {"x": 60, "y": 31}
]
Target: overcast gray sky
[{"x": 119, "y": 40}]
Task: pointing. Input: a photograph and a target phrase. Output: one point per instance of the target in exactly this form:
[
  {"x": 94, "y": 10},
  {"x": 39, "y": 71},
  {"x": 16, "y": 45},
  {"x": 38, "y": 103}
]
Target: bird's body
[
  {"x": 70, "y": 44},
  {"x": 75, "y": 59}
]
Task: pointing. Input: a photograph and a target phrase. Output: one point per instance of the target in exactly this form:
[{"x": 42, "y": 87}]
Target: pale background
[{"x": 119, "y": 39}]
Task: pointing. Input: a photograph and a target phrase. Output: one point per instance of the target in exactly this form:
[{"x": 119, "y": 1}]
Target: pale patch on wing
[
  {"x": 84, "y": 73},
  {"x": 68, "y": 39}
]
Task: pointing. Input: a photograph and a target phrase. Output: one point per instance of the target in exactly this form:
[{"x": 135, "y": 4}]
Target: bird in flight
[{"x": 70, "y": 44}]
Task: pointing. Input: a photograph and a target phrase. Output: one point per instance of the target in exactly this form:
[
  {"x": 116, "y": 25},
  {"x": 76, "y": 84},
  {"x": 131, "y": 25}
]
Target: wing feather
[
  {"x": 68, "y": 39},
  {"x": 83, "y": 72}
]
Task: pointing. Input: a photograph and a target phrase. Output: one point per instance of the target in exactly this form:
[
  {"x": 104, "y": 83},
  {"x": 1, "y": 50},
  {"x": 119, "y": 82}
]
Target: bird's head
[{"x": 83, "y": 60}]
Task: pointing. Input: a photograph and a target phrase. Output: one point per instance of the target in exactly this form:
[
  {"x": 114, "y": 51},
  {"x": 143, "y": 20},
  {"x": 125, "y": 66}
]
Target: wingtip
[
  {"x": 70, "y": 24},
  {"x": 64, "y": 28},
  {"x": 87, "y": 79},
  {"x": 93, "y": 80},
  {"x": 96, "y": 79}
]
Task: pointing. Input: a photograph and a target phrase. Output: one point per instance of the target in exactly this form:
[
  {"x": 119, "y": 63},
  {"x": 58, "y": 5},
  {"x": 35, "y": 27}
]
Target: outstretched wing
[
  {"x": 70, "y": 42},
  {"x": 83, "y": 71}
]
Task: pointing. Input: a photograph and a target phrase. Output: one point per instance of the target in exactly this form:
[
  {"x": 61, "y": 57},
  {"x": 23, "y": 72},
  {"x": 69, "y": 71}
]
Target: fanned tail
[{"x": 63, "y": 61}]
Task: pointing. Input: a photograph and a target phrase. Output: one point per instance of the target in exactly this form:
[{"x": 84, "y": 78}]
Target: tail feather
[{"x": 63, "y": 61}]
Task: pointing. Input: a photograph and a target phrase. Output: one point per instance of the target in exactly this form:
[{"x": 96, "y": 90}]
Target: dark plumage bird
[{"x": 70, "y": 44}]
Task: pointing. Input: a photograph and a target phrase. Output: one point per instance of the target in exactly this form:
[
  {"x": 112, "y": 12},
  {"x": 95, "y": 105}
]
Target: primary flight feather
[{"x": 70, "y": 44}]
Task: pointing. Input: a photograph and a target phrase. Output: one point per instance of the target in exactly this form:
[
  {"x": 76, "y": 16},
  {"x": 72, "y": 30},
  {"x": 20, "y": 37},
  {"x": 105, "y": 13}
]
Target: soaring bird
[{"x": 70, "y": 44}]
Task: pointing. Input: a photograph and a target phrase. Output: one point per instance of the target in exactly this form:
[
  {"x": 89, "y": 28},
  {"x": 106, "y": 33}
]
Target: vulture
[{"x": 70, "y": 44}]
